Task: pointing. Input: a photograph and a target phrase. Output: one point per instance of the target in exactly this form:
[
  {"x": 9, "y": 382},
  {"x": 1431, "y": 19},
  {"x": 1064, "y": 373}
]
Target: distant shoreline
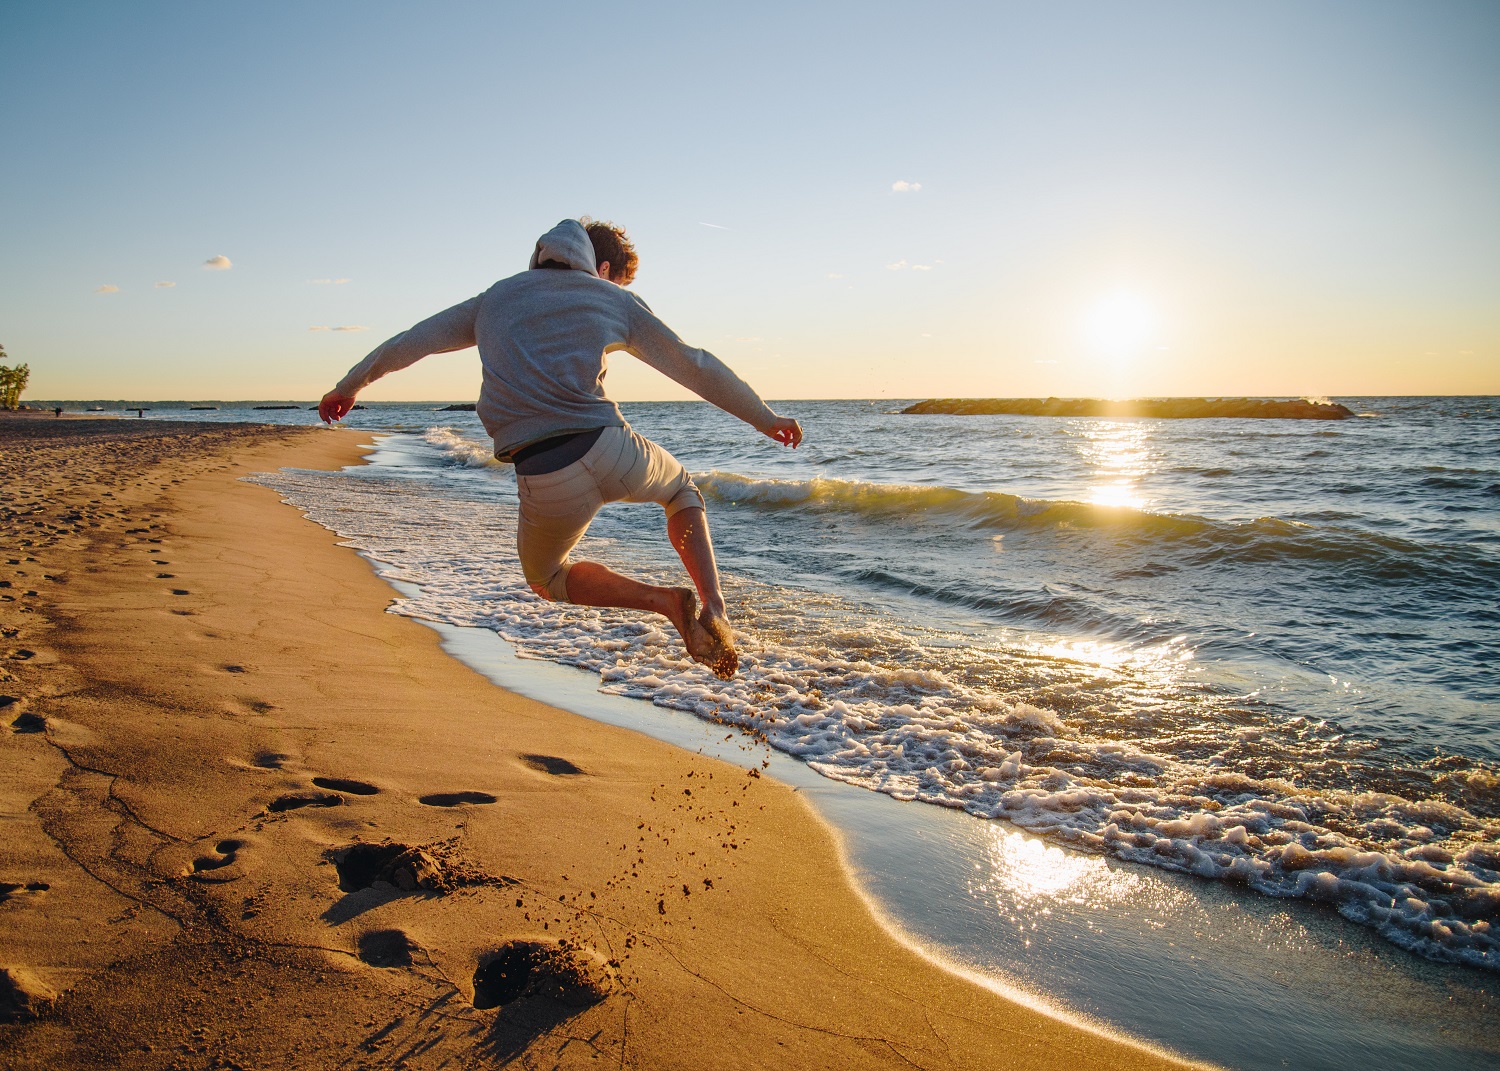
[{"x": 1156, "y": 408}]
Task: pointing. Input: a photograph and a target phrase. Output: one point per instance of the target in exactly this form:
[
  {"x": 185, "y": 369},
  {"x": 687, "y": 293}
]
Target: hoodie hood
[{"x": 569, "y": 243}]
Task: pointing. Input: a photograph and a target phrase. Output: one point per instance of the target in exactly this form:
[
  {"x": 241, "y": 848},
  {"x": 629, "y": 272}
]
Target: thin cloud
[
  {"x": 107, "y": 288},
  {"x": 218, "y": 263},
  {"x": 898, "y": 266},
  {"x": 319, "y": 327},
  {"x": 902, "y": 186},
  {"x": 351, "y": 327},
  {"x": 835, "y": 275},
  {"x": 328, "y": 282},
  {"x": 715, "y": 226},
  {"x": 165, "y": 285},
  {"x": 921, "y": 267}
]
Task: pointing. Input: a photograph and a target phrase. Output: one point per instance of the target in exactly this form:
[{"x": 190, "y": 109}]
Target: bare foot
[
  {"x": 684, "y": 610},
  {"x": 707, "y": 639},
  {"x": 720, "y": 655}
]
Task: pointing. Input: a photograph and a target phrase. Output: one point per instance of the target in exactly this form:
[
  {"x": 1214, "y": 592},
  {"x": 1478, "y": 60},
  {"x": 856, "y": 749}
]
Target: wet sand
[{"x": 251, "y": 820}]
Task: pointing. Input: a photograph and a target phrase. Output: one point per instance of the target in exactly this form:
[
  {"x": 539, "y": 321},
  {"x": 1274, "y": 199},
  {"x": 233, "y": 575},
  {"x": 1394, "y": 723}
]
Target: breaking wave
[
  {"x": 467, "y": 453},
  {"x": 1198, "y": 540}
]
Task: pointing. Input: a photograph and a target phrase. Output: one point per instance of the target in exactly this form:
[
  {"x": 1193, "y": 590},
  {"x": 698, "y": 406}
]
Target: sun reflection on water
[
  {"x": 1120, "y": 454},
  {"x": 1024, "y": 868},
  {"x": 1158, "y": 668}
]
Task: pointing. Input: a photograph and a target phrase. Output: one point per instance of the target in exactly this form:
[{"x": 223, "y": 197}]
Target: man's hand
[
  {"x": 334, "y": 406},
  {"x": 786, "y": 431}
]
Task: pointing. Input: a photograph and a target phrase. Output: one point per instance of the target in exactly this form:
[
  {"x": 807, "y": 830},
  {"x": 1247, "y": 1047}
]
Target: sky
[{"x": 899, "y": 200}]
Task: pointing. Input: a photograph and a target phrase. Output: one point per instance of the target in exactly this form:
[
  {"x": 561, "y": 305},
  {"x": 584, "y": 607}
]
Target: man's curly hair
[{"x": 613, "y": 245}]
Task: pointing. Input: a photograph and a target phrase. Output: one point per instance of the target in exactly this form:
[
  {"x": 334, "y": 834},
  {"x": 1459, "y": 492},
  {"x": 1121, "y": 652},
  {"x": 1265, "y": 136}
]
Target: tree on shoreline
[{"x": 12, "y": 382}]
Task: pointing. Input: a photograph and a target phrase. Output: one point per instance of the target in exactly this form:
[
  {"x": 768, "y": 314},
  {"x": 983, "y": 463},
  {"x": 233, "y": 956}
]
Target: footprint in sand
[
  {"x": 409, "y": 868},
  {"x": 386, "y": 948},
  {"x": 525, "y": 969},
  {"x": 23, "y": 996},
  {"x": 361, "y": 865},
  {"x": 208, "y": 867},
  {"x": 551, "y": 764},
  {"x": 454, "y": 799},
  {"x": 344, "y": 784},
  {"x": 272, "y": 760},
  {"x": 406, "y": 867},
  {"x": 181, "y": 591},
  {"x": 294, "y": 801},
  {"x": 166, "y": 576},
  {"x": 28, "y": 722},
  {"x": 12, "y": 889}
]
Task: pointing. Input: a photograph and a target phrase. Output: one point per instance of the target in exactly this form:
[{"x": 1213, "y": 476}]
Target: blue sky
[{"x": 1098, "y": 198}]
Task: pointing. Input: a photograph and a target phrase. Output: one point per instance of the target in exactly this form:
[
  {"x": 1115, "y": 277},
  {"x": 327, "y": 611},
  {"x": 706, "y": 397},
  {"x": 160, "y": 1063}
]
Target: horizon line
[{"x": 866, "y": 398}]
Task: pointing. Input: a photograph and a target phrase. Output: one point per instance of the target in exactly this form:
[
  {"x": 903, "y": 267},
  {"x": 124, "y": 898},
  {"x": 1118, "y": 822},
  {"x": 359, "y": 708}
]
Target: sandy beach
[{"x": 253, "y": 821}]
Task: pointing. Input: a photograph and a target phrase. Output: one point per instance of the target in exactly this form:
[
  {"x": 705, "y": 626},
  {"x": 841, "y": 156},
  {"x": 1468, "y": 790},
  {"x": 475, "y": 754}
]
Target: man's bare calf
[{"x": 707, "y": 635}]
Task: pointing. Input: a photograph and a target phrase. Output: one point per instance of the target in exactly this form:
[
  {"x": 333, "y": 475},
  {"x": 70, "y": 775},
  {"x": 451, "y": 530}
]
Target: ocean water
[{"x": 1260, "y": 653}]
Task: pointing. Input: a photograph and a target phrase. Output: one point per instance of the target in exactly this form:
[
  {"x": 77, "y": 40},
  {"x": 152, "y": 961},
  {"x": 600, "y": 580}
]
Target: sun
[{"x": 1120, "y": 325}]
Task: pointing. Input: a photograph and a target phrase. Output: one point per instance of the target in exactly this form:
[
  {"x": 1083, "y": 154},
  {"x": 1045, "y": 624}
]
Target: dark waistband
[{"x": 549, "y": 455}]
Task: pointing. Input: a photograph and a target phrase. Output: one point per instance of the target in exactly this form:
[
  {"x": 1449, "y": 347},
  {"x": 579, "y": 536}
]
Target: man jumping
[{"x": 543, "y": 338}]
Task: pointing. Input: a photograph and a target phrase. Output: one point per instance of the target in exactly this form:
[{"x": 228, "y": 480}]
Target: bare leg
[
  {"x": 707, "y": 635},
  {"x": 592, "y": 584},
  {"x": 688, "y": 531}
]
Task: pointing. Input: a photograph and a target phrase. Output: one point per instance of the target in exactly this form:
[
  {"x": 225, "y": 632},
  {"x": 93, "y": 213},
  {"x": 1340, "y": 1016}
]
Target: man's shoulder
[
  {"x": 547, "y": 279},
  {"x": 541, "y": 280},
  {"x": 510, "y": 281}
]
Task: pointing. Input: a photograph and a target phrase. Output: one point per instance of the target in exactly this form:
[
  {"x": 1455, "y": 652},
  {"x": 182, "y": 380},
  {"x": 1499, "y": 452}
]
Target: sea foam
[{"x": 460, "y": 450}]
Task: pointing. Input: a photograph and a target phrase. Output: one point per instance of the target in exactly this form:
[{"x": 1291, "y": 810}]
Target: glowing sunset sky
[{"x": 841, "y": 200}]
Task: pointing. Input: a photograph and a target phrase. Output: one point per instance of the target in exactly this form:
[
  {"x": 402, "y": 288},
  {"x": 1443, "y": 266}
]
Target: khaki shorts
[{"x": 557, "y": 507}]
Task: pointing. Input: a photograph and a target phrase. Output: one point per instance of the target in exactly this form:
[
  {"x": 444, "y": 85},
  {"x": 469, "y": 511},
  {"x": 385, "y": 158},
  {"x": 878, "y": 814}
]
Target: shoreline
[{"x": 226, "y": 709}]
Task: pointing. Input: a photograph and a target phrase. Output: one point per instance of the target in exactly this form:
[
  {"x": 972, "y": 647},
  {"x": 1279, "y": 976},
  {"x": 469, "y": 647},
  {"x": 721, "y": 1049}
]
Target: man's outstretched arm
[{"x": 451, "y": 329}]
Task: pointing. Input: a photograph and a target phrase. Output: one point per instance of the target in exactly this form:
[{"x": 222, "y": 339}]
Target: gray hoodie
[{"x": 543, "y": 339}]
